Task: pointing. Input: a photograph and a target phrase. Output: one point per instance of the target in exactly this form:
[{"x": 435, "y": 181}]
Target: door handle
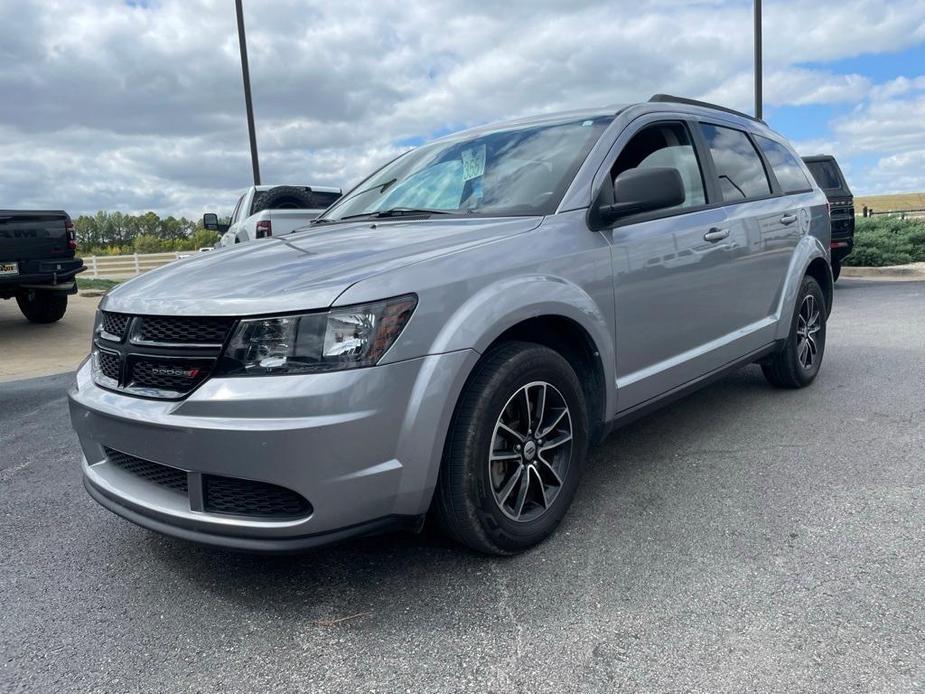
[
  {"x": 788, "y": 219},
  {"x": 715, "y": 234}
]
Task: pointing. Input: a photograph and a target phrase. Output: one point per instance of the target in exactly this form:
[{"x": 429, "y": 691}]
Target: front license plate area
[{"x": 7, "y": 269}]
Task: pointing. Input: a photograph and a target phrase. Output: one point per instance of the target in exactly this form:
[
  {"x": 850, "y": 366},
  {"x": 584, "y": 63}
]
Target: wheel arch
[
  {"x": 569, "y": 339},
  {"x": 810, "y": 258},
  {"x": 821, "y": 271},
  {"x": 544, "y": 310}
]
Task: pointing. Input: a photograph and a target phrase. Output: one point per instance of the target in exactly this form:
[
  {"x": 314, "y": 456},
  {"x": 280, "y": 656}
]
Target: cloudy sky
[{"x": 117, "y": 105}]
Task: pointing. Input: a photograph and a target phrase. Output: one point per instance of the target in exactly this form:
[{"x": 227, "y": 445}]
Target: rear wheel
[
  {"x": 514, "y": 451},
  {"x": 797, "y": 363},
  {"x": 836, "y": 269},
  {"x": 42, "y": 306}
]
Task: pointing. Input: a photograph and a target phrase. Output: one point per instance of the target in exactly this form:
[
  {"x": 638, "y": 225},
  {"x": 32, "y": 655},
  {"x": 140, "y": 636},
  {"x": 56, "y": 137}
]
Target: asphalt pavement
[{"x": 743, "y": 539}]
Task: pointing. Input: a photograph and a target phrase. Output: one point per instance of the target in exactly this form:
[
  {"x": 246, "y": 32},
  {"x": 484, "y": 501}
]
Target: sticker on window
[{"x": 473, "y": 161}]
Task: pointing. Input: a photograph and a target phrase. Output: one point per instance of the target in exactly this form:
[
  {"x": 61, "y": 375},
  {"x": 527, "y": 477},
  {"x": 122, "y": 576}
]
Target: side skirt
[{"x": 626, "y": 416}]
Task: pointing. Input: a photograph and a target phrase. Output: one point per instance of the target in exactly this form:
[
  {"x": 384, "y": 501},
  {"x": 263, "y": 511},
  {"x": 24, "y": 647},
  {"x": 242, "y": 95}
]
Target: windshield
[{"x": 514, "y": 171}]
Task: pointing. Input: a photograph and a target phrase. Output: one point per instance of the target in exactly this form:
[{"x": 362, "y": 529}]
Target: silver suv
[{"x": 452, "y": 335}]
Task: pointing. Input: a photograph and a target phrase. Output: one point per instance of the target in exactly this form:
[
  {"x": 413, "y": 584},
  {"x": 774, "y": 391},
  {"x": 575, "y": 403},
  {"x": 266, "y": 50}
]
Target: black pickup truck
[
  {"x": 38, "y": 262},
  {"x": 828, "y": 175}
]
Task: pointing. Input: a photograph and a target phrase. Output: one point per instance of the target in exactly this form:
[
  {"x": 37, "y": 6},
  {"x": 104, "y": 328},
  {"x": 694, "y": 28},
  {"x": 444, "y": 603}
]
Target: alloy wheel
[
  {"x": 531, "y": 448},
  {"x": 809, "y": 323}
]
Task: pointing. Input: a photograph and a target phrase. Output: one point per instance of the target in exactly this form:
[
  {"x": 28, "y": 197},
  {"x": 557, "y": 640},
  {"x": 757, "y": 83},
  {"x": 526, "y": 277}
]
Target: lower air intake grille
[
  {"x": 163, "y": 476},
  {"x": 248, "y": 498}
]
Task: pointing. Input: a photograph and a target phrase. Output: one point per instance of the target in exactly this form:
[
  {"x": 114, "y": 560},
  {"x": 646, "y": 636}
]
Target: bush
[{"x": 880, "y": 241}]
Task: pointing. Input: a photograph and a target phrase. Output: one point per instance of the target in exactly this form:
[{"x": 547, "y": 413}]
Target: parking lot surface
[
  {"x": 34, "y": 350},
  {"x": 743, "y": 539}
]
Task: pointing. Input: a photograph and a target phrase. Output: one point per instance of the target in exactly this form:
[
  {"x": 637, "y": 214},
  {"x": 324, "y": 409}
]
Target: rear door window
[
  {"x": 738, "y": 165},
  {"x": 785, "y": 165},
  {"x": 237, "y": 210}
]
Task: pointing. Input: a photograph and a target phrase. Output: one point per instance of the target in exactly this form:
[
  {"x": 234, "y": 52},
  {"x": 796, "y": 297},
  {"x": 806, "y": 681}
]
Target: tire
[
  {"x": 470, "y": 501},
  {"x": 788, "y": 368},
  {"x": 836, "y": 269},
  {"x": 42, "y": 306},
  {"x": 284, "y": 198}
]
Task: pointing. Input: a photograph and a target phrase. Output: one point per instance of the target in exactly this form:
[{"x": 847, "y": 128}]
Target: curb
[{"x": 912, "y": 271}]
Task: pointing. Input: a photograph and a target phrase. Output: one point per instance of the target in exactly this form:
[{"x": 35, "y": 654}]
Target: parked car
[
  {"x": 454, "y": 333},
  {"x": 829, "y": 176},
  {"x": 38, "y": 262},
  {"x": 264, "y": 211}
]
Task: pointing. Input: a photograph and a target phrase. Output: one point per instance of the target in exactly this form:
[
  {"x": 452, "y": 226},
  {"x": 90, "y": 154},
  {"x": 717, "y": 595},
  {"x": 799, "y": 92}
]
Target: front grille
[
  {"x": 115, "y": 323},
  {"x": 182, "y": 330},
  {"x": 109, "y": 364},
  {"x": 220, "y": 494},
  {"x": 159, "y": 356},
  {"x": 179, "y": 376},
  {"x": 163, "y": 476},
  {"x": 248, "y": 498}
]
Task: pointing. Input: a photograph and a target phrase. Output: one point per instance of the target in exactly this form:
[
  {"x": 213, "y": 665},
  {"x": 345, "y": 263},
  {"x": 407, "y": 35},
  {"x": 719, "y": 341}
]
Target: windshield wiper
[{"x": 396, "y": 212}]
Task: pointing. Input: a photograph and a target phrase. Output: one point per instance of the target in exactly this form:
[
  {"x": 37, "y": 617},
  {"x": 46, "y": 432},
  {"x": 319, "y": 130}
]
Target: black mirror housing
[
  {"x": 644, "y": 190},
  {"x": 210, "y": 221}
]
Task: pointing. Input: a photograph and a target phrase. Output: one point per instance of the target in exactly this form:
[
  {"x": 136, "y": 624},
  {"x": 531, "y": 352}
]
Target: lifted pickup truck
[
  {"x": 37, "y": 262},
  {"x": 264, "y": 211},
  {"x": 828, "y": 175}
]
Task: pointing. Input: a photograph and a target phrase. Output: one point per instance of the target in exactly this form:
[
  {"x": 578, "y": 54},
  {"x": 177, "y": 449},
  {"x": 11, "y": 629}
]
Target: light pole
[
  {"x": 758, "y": 59},
  {"x": 242, "y": 41}
]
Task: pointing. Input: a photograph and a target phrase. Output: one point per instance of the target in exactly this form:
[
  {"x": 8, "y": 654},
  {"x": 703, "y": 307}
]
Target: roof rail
[{"x": 661, "y": 98}]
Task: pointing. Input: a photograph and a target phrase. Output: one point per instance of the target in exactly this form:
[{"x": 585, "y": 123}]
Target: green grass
[
  {"x": 880, "y": 241},
  {"x": 90, "y": 283}
]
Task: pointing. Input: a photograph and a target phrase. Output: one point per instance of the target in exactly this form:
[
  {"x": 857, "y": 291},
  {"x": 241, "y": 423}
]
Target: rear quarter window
[{"x": 785, "y": 165}]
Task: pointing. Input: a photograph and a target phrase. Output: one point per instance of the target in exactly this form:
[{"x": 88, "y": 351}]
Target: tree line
[{"x": 116, "y": 233}]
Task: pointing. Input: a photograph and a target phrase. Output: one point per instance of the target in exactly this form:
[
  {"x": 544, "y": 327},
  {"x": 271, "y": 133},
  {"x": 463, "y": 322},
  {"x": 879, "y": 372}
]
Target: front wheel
[
  {"x": 514, "y": 451},
  {"x": 797, "y": 363},
  {"x": 42, "y": 306},
  {"x": 836, "y": 269}
]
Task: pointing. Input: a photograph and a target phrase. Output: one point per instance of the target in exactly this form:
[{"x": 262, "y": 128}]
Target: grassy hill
[{"x": 899, "y": 201}]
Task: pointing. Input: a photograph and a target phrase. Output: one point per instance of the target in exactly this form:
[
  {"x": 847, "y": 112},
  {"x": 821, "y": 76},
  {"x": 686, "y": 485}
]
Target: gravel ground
[{"x": 743, "y": 539}]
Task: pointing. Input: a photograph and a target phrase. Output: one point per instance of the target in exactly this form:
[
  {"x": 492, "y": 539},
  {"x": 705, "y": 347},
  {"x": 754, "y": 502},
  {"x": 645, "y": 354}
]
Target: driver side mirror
[
  {"x": 210, "y": 222},
  {"x": 643, "y": 190}
]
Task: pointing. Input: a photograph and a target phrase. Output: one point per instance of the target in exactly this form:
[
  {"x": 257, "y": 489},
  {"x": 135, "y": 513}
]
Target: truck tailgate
[{"x": 28, "y": 235}]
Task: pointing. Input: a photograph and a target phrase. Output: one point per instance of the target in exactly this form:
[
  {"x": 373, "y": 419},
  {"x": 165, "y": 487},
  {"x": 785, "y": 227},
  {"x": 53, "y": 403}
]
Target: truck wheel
[
  {"x": 284, "y": 198},
  {"x": 514, "y": 451},
  {"x": 836, "y": 269},
  {"x": 798, "y": 362},
  {"x": 42, "y": 306}
]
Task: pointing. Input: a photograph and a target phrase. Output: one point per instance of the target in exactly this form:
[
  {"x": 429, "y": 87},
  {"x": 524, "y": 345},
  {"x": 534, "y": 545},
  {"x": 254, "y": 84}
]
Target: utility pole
[
  {"x": 242, "y": 41},
  {"x": 758, "y": 59}
]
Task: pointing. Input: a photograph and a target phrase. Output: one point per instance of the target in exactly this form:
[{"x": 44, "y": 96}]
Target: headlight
[{"x": 346, "y": 337}]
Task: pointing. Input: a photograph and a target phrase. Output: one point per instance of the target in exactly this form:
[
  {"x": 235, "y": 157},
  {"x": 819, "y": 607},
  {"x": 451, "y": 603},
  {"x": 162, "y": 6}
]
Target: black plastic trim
[{"x": 284, "y": 545}]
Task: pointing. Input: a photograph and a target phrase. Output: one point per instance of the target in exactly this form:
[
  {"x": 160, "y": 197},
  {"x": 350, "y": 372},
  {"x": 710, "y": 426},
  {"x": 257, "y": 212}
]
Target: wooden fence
[
  {"x": 902, "y": 214},
  {"x": 121, "y": 266}
]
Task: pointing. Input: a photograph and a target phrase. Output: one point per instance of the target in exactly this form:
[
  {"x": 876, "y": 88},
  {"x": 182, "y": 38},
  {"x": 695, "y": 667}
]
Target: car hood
[{"x": 301, "y": 271}]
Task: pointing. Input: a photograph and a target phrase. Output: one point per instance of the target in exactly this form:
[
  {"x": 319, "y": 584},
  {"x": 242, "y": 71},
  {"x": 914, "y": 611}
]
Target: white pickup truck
[{"x": 264, "y": 211}]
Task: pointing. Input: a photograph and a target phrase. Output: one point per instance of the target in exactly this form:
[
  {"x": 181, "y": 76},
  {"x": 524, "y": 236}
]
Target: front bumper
[{"x": 362, "y": 446}]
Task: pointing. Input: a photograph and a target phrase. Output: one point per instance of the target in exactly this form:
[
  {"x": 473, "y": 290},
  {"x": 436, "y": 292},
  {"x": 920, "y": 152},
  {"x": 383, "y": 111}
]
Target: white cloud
[{"x": 112, "y": 106}]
